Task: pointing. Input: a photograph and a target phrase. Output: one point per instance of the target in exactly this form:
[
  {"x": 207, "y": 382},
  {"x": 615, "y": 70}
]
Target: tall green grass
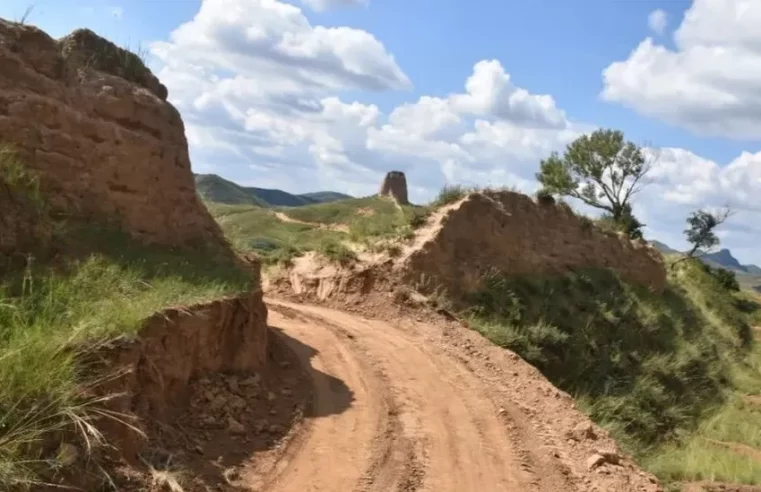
[
  {"x": 650, "y": 367},
  {"x": 51, "y": 312}
]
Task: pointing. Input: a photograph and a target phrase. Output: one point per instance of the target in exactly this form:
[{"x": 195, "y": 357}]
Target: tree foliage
[
  {"x": 700, "y": 233},
  {"x": 626, "y": 223},
  {"x": 604, "y": 171}
]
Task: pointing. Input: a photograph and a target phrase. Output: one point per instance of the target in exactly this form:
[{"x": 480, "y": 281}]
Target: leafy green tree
[
  {"x": 602, "y": 170},
  {"x": 700, "y": 233}
]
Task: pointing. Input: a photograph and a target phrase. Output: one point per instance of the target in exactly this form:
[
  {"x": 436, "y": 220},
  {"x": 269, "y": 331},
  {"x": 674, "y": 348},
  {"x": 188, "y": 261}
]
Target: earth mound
[
  {"x": 510, "y": 233},
  {"x": 94, "y": 123}
]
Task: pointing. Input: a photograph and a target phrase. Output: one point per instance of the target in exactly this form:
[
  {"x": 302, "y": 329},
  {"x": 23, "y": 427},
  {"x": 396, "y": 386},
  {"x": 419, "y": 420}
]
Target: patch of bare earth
[
  {"x": 330, "y": 227},
  {"x": 234, "y": 426}
]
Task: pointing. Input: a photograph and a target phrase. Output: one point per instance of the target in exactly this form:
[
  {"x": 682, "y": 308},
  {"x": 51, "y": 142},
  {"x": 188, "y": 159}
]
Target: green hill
[
  {"x": 324, "y": 227},
  {"x": 214, "y": 188}
]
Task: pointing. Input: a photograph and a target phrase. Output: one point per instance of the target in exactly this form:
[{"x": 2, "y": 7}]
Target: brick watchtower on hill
[{"x": 395, "y": 185}]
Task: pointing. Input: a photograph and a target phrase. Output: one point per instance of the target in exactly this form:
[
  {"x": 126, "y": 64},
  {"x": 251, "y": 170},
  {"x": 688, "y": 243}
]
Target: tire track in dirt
[{"x": 440, "y": 432}]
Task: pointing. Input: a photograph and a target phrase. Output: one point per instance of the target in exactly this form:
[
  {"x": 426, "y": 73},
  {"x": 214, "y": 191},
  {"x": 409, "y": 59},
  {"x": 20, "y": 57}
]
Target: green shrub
[
  {"x": 544, "y": 197},
  {"x": 726, "y": 278},
  {"x": 450, "y": 194}
]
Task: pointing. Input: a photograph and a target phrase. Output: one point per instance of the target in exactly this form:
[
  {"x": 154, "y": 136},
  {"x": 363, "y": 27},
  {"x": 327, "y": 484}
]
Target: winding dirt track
[
  {"x": 415, "y": 420},
  {"x": 394, "y": 414}
]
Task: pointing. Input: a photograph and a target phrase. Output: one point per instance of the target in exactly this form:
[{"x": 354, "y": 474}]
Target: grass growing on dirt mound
[
  {"x": 324, "y": 227},
  {"x": 49, "y": 313},
  {"x": 659, "y": 370}
]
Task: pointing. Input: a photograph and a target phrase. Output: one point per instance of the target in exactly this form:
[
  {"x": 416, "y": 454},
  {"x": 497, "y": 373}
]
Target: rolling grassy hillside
[
  {"x": 216, "y": 189},
  {"x": 331, "y": 228}
]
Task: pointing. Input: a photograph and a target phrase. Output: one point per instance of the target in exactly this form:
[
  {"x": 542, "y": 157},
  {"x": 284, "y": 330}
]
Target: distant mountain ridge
[
  {"x": 722, "y": 258},
  {"x": 218, "y": 189}
]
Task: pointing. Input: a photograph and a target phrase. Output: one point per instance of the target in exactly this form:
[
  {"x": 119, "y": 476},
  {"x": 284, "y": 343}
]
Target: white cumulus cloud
[
  {"x": 657, "y": 21},
  {"x": 710, "y": 83}
]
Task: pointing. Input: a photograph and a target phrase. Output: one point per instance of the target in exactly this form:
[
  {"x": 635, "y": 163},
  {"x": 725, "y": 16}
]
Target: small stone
[
  {"x": 251, "y": 380},
  {"x": 610, "y": 456},
  {"x": 602, "y": 457},
  {"x": 502, "y": 411},
  {"x": 67, "y": 454},
  {"x": 218, "y": 403},
  {"x": 235, "y": 427},
  {"x": 232, "y": 383},
  {"x": 260, "y": 425},
  {"x": 198, "y": 449},
  {"x": 237, "y": 402},
  {"x": 594, "y": 461},
  {"x": 271, "y": 396},
  {"x": 285, "y": 364},
  {"x": 584, "y": 431},
  {"x": 275, "y": 429},
  {"x": 286, "y": 392}
]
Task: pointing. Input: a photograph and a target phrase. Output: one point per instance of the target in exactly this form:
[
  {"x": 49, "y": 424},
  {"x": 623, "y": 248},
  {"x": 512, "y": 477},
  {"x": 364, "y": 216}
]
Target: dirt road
[{"x": 395, "y": 412}]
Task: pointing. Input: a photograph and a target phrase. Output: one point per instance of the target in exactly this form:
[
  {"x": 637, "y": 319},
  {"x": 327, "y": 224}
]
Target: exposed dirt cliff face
[
  {"x": 175, "y": 347},
  {"x": 95, "y": 124},
  {"x": 511, "y": 233}
]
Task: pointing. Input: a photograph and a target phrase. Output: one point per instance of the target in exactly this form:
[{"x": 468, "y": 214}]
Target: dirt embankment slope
[
  {"x": 95, "y": 123},
  {"x": 93, "y": 126},
  {"x": 510, "y": 233}
]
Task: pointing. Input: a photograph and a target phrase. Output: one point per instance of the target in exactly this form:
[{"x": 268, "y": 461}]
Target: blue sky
[{"x": 257, "y": 119}]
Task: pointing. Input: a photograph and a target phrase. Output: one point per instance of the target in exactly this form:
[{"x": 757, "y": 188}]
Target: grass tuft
[{"x": 450, "y": 194}]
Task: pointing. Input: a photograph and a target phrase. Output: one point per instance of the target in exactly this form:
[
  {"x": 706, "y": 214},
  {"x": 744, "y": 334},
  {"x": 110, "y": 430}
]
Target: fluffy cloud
[
  {"x": 259, "y": 89},
  {"x": 711, "y": 82},
  {"x": 321, "y": 5},
  {"x": 682, "y": 181},
  {"x": 256, "y": 37},
  {"x": 657, "y": 21}
]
